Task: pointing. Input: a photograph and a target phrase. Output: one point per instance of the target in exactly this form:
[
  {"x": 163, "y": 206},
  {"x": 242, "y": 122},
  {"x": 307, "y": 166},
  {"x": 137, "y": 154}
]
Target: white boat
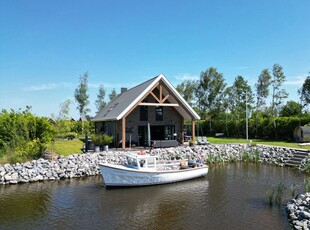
[{"x": 143, "y": 169}]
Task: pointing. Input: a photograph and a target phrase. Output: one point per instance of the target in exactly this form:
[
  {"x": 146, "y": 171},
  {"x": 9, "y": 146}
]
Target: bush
[
  {"x": 262, "y": 128},
  {"x": 23, "y": 135},
  {"x": 97, "y": 139},
  {"x": 107, "y": 139},
  {"x": 70, "y": 135},
  {"x": 101, "y": 139},
  {"x": 31, "y": 150}
]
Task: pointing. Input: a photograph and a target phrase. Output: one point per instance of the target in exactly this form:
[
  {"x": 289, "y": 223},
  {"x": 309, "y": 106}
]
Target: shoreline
[{"x": 86, "y": 164}]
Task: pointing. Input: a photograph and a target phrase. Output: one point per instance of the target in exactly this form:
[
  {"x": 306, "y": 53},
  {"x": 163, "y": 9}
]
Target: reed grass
[
  {"x": 269, "y": 196},
  {"x": 275, "y": 193},
  {"x": 307, "y": 184},
  {"x": 294, "y": 188},
  {"x": 306, "y": 168},
  {"x": 279, "y": 192},
  {"x": 251, "y": 156}
]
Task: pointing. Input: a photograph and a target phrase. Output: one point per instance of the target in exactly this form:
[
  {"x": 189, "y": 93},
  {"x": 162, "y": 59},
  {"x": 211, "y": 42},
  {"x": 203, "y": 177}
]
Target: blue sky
[{"x": 46, "y": 45}]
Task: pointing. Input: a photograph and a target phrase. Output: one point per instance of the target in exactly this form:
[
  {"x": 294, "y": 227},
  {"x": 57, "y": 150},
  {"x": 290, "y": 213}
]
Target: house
[
  {"x": 153, "y": 110},
  {"x": 302, "y": 134}
]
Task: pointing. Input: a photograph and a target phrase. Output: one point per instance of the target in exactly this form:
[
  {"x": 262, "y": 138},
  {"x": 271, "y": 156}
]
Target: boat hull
[{"x": 117, "y": 176}]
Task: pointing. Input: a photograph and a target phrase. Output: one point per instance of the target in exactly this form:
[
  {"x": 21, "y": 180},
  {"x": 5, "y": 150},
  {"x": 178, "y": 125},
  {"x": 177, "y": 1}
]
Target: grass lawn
[
  {"x": 222, "y": 140},
  {"x": 66, "y": 147}
]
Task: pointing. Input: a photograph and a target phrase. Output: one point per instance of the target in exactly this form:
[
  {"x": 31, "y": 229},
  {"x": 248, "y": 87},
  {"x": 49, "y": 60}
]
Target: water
[{"x": 230, "y": 197}]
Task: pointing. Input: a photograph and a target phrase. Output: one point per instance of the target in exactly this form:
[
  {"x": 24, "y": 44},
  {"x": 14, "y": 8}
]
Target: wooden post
[
  {"x": 123, "y": 133},
  {"x": 193, "y": 131},
  {"x": 182, "y": 131}
]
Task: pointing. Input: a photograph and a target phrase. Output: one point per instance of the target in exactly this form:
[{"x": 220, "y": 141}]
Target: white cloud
[
  {"x": 107, "y": 85},
  {"x": 296, "y": 80},
  {"x": 187, "y": 76},
  {"x": 48, "y": 86}
]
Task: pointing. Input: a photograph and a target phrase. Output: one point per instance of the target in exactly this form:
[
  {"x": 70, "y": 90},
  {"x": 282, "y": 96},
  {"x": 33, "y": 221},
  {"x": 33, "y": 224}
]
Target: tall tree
[
  {"x": 226, "y": 105},
  {"x": 278, "y": 94},
  {"x": 240, "y": 99},
  {"x": 100, "y": 103},
  {"x": 187, "y": 89},
  {"x": 112, "y": 95},
  {"x": 304, "y": 92},
  {"x": 262, "y": 88},
  {"x": 210, "y": 93},
  {"x": 262, "y": 92},
  {"x": 81, "y": 96},
  {"x": 64, "y": 109},
  {"x": 291, "y": 108}
]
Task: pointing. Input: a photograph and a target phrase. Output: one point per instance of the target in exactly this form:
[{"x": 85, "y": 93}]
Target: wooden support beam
[
  {"x": 158, "y": 100},
  {"x": 158, "y": 104},
  {"x": 193, "y": 131},
  {"x": 123, "y": 133},
  {"x": 165, "y": 98},
  {"x": 182, "y": 130}
]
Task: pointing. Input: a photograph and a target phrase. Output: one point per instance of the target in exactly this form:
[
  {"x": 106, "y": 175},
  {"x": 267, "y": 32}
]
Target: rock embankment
[
  {"x": 79, "y": 165},
  {"x": 299, "y": 211}
]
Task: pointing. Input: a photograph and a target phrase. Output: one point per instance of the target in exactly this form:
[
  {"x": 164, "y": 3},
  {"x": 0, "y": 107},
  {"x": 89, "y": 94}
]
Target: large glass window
[
  {"x": 143, "y": 113},
  {"x": 159, "y": 113}
]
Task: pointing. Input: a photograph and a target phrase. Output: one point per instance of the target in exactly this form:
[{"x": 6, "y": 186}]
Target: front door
[
  {"x": 142, "y": 133},
  {"x": 158, "y": 132}
]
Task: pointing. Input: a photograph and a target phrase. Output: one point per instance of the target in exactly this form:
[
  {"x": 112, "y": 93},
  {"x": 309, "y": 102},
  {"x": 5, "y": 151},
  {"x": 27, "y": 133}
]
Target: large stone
[
  {"x": 15, "y": 176},
  {"x": 304, "y": 215},
  {"x": 49, "y": 174},
  {"x": 7, "y": 177},
  {"x": 8, "y": 168},
  {"x": 2, "y": 173}
]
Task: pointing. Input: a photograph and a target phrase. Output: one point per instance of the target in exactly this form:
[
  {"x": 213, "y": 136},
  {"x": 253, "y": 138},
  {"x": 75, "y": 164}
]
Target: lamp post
[
  {"x": 246, "y": 116},
  {"x": 53, "y": 141}
]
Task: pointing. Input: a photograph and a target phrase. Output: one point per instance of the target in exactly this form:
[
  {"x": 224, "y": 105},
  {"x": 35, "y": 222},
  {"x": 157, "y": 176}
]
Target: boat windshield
[{"x": 140, "y": 161}]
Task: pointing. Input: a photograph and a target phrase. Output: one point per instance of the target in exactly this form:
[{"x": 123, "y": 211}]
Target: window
[
  {"x": 143, "y": 113},
  {"x": 159, "y": 113}
]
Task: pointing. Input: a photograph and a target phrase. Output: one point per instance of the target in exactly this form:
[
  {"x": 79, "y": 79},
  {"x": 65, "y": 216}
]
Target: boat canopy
[{"x": 140, "y": 160}]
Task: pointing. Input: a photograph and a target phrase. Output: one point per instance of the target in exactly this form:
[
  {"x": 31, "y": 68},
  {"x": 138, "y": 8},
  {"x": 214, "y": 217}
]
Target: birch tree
[{"x": 100, "y": 103}]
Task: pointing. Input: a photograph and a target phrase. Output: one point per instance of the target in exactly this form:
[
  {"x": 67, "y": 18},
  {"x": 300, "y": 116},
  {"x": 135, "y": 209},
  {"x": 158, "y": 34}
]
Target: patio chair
[
  {"x": 199, "y": 140},
  {"x": 205, "y": 141}
]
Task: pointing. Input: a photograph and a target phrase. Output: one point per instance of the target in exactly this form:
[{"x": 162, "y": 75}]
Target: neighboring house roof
[
  {"x": 305, "y": 129},
  {"x": 126, "y": 101}
]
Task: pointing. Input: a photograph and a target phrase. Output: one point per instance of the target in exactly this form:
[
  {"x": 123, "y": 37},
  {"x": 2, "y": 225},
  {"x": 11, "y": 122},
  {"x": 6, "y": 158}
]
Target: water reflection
[
  {"x": 32, "y": 201},
  {"x": 230, "y": 197}
]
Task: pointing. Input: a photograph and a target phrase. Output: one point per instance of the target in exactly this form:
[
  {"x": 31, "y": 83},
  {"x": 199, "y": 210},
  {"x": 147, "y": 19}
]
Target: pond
[{"x": 230, "y": 197}]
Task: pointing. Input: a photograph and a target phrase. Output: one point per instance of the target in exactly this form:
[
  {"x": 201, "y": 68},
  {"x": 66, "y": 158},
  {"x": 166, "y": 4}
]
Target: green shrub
[
  {"x": 97, "y": 139},
  {"x": 70, "y": 135},
  {"x": 32, "y": 149},
  {"x": 101, "y": 139},
  {"x": 107, "y": 139},
  {"x": 23, "y": 135}
]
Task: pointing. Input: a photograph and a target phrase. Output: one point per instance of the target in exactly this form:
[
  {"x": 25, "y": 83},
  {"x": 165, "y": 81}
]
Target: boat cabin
[{"x": 140, "y": 160}]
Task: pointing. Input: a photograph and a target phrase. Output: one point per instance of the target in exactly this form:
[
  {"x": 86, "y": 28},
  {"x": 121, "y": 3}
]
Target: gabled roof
[{"x": 129, "y": 99}]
